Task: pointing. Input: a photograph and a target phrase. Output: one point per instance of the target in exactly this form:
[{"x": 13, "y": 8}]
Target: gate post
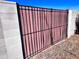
[
  {"x": 71, "y": 22},
  {"x": 10, "y": 40}
]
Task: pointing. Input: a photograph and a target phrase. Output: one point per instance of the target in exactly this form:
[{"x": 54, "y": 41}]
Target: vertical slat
[
  {"x": 57, "y": 34},
  {"x": 40, "y": 29},
  {"x": 23, "y": 31},
  {"x": 25, "y": 27},
  {"x": 38, "y": 20},
  {"x": 28, "y": 22},
  {"x": 22, "y": 22},
  {"x": 36, "y": 30}
]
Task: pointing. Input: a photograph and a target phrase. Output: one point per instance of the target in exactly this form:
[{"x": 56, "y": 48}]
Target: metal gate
[{"x": 41, "y": 27}]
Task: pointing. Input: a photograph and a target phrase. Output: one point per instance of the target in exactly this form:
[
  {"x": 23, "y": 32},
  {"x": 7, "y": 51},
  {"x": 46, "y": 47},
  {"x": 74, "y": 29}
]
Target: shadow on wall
[{"x": 77, "y": 25}]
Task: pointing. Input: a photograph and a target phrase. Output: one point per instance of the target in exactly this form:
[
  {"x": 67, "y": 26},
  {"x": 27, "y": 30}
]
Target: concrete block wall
[
  {"x": 10, "y": 40},
  {"x": 71, "y": 22}
]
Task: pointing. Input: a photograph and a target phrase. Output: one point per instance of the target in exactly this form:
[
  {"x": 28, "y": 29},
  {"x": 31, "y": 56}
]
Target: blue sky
[{"x": 57, "y": 4}]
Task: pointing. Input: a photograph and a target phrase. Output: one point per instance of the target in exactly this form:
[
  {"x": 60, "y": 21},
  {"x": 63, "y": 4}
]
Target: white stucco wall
[
  {"x": 71, "y": 22},
  {"x": 11, "y": 47}
]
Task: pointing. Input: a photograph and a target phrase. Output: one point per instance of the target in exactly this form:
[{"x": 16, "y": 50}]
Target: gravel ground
[{"x": 66, "y": 49}]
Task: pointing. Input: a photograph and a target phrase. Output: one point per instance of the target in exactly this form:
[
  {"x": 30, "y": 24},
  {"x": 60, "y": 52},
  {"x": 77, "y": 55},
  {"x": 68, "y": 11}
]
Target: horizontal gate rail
[
  {"x": 41, "y": 27},
  {"x": 44, "y": 30}
]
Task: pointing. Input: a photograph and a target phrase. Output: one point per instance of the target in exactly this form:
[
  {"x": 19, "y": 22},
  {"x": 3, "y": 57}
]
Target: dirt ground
[{"x": 66, "y": 49}]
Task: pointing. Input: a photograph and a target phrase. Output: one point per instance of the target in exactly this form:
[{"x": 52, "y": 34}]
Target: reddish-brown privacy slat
[
  {"x": 22, "y": 21},
  {"x": 31, "y": 20},
  {"x": 57, "y": 34},
  {"x": 52, "y": 18},
  {"x": 25, "y": 22},
  {"x": 45, "y": 17},
  {"x": 25, "y": 45},
  {"x": 60, "y": 19},
  {"x": 28, "y": 44},
  {"x": 41, "y": 27},
  {"x": 56, "y": 18},
  {"x": 38, "y": 20}
]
